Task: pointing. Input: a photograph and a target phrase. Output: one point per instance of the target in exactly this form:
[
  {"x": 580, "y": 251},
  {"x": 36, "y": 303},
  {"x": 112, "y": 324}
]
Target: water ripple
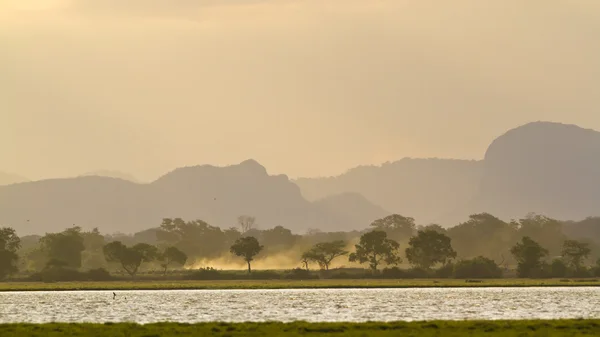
[{"x": 314, "y": 305}]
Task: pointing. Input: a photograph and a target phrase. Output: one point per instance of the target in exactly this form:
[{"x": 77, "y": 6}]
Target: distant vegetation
[
  {"x": 393, "y": 247},
  {"x": 554, "y": 328}
]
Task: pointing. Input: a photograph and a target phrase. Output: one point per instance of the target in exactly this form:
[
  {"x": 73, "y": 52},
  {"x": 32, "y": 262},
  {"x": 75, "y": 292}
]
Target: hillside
[
  {"x": 215, "y": 194},
  {"x": 112, "y": 174},
  {"x": 420, "y": 188},
  {"x": 351, "y": 208},
  {"x": 542, "y": 167}
]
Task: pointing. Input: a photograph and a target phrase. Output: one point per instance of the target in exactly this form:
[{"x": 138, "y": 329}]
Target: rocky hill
[
  {"x": 421, "y": 188},
  {"x": 217, "y": 195},
  {"x": 542, "y": 167}
]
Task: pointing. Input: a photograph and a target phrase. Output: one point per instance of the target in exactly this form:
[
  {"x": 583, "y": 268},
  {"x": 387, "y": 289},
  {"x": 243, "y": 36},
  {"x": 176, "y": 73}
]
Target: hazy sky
[{"x": 306, "y": 87}]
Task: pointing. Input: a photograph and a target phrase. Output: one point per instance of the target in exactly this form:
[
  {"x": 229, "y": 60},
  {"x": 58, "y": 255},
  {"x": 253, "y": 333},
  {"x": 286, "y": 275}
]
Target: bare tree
[{"x": 246, "y": 223}]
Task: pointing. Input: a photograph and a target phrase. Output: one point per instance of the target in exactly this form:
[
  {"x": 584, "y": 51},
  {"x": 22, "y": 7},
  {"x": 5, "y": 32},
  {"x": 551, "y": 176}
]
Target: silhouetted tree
[
  {"x": 171, "y": 255},
  {"x": 305, "y": 259},
  {"x": 574, "y": 253},
  {"x": 278, "y": 238},
  {"x": 479, "y": 267},
  {"x": 433, "y": 227},
  {"x": 92, "y": 256},
  {"x": 194, "y": 238},
  {"x": 529, "y": 255},
  {"x": 246, "y": 247},
  {"x": 324, "y": 253},
  {"x": 396, "y": 226},
  {"x": 66, "y": 246},
  {"x": 483, "y": 235},
  {"x": 246, "y": 223},
  {"x": 130, "y": 258},
  {"x": 374, "y": 247},
  {"x": 558, "y": 268},
  {"x": 9, "y": 244},
  {"x": 428, "y": 248},
  {"x": 544, "y": 230}
]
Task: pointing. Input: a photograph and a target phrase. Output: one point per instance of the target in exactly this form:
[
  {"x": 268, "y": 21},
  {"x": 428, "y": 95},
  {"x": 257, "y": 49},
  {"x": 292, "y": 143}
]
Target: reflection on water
[{"x": 318, "y": 305}]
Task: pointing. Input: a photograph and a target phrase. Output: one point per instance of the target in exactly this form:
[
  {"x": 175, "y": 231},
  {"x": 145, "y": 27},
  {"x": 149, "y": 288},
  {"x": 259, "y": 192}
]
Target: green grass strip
[
  {"x": 293, "y": 284},
  {"x": 537, "y": 328}
]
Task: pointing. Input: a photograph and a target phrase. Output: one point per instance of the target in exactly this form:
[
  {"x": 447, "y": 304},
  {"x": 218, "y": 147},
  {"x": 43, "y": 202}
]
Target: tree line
[{"x": 483, "y": 246}]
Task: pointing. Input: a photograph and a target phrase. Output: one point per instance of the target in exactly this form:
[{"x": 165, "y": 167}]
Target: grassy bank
[
  {"x": 442, "y": 328},
  {"x": 292, "y": 284}
]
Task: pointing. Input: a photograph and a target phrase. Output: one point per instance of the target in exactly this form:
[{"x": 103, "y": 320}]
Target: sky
[{"x": 306, "y": 87}]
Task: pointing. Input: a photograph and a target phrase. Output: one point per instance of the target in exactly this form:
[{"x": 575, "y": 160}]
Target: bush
[
  {"x": 261, "y": 275},
  {"x": 479, "y": 267},
  {"x": 299, "y": 274},
  {"x": 445, "y": 271},
  {"x": 420, "y": 273},
  {"x": 394, "y": 272},
  {"x": 98, "y": 274},
  {"x": 57, "y": 274},
  {"x": 581, "y": 273},
  {"x": 558, "y": 268},
  {"x": 207, "y": 273}
]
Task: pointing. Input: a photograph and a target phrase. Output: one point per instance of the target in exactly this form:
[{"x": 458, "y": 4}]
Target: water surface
[{"x": 313, "y": 305}]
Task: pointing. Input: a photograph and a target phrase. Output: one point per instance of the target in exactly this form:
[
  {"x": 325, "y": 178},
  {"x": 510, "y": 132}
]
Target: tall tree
[
  {"x": 574, "y": 253},
  {"x": 92, "y": 256},
  {"x": 65, "y": 246},
  {"x": 246, "y": 223},
  {"x": 529, "y": 255},
  {"x": 397, "y": 227},
  {"x": 546, "y": 231},
  {"x": 195, "y": 238},
  {"x": 278, "y": 238},
  {"x": 428, "y": 248},
  {"x": 483, "y": 235},
  {"x": 246, "y": 247},
  {"x": 171, "y": 255},
  {"x": 375, "y": 248},
  {"x": 9, "y": 244},
  {"x": 130, "y": 258},
  {"x": 324, "y": 253}
]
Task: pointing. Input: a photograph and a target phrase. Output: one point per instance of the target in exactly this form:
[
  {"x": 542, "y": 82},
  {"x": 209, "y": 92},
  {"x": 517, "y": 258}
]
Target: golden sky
[{"x": 306, "y": 87}]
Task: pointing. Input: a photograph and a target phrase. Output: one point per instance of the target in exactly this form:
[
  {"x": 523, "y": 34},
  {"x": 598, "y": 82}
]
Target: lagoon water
[{"x": 313, "y": 305}]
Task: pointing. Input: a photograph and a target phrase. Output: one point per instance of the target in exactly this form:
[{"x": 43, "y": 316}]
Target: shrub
[
  {"x": 558, "y": 268},
  {"x": 299, "y": 274},
  {"x": 394, "y": 272},
  {"x": 98, "y": 274},
  {"x": 445, "y": 271},
  {"x": 207, "y": 273},
  {"x": 479, "y": 267},
  {"x": 261, "y": 275},
  {"x": 420, "y": 273}
]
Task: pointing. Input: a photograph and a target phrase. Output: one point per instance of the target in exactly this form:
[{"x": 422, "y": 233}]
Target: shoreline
[{"x": 292, "y": 284}]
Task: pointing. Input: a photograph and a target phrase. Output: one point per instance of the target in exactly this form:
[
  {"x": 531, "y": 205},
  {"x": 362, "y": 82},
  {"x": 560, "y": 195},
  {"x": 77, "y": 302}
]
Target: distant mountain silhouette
[
  {"x": 542, "y": 167},
  {"x": 112, "y": 174},
  {"x": 9, "y": 178},
  {"x": 421, "y": 188},
  {"x": 217, "y": 195},
  {"x": 548, "y": 168},
  {"x": 352, "y": 208}
]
